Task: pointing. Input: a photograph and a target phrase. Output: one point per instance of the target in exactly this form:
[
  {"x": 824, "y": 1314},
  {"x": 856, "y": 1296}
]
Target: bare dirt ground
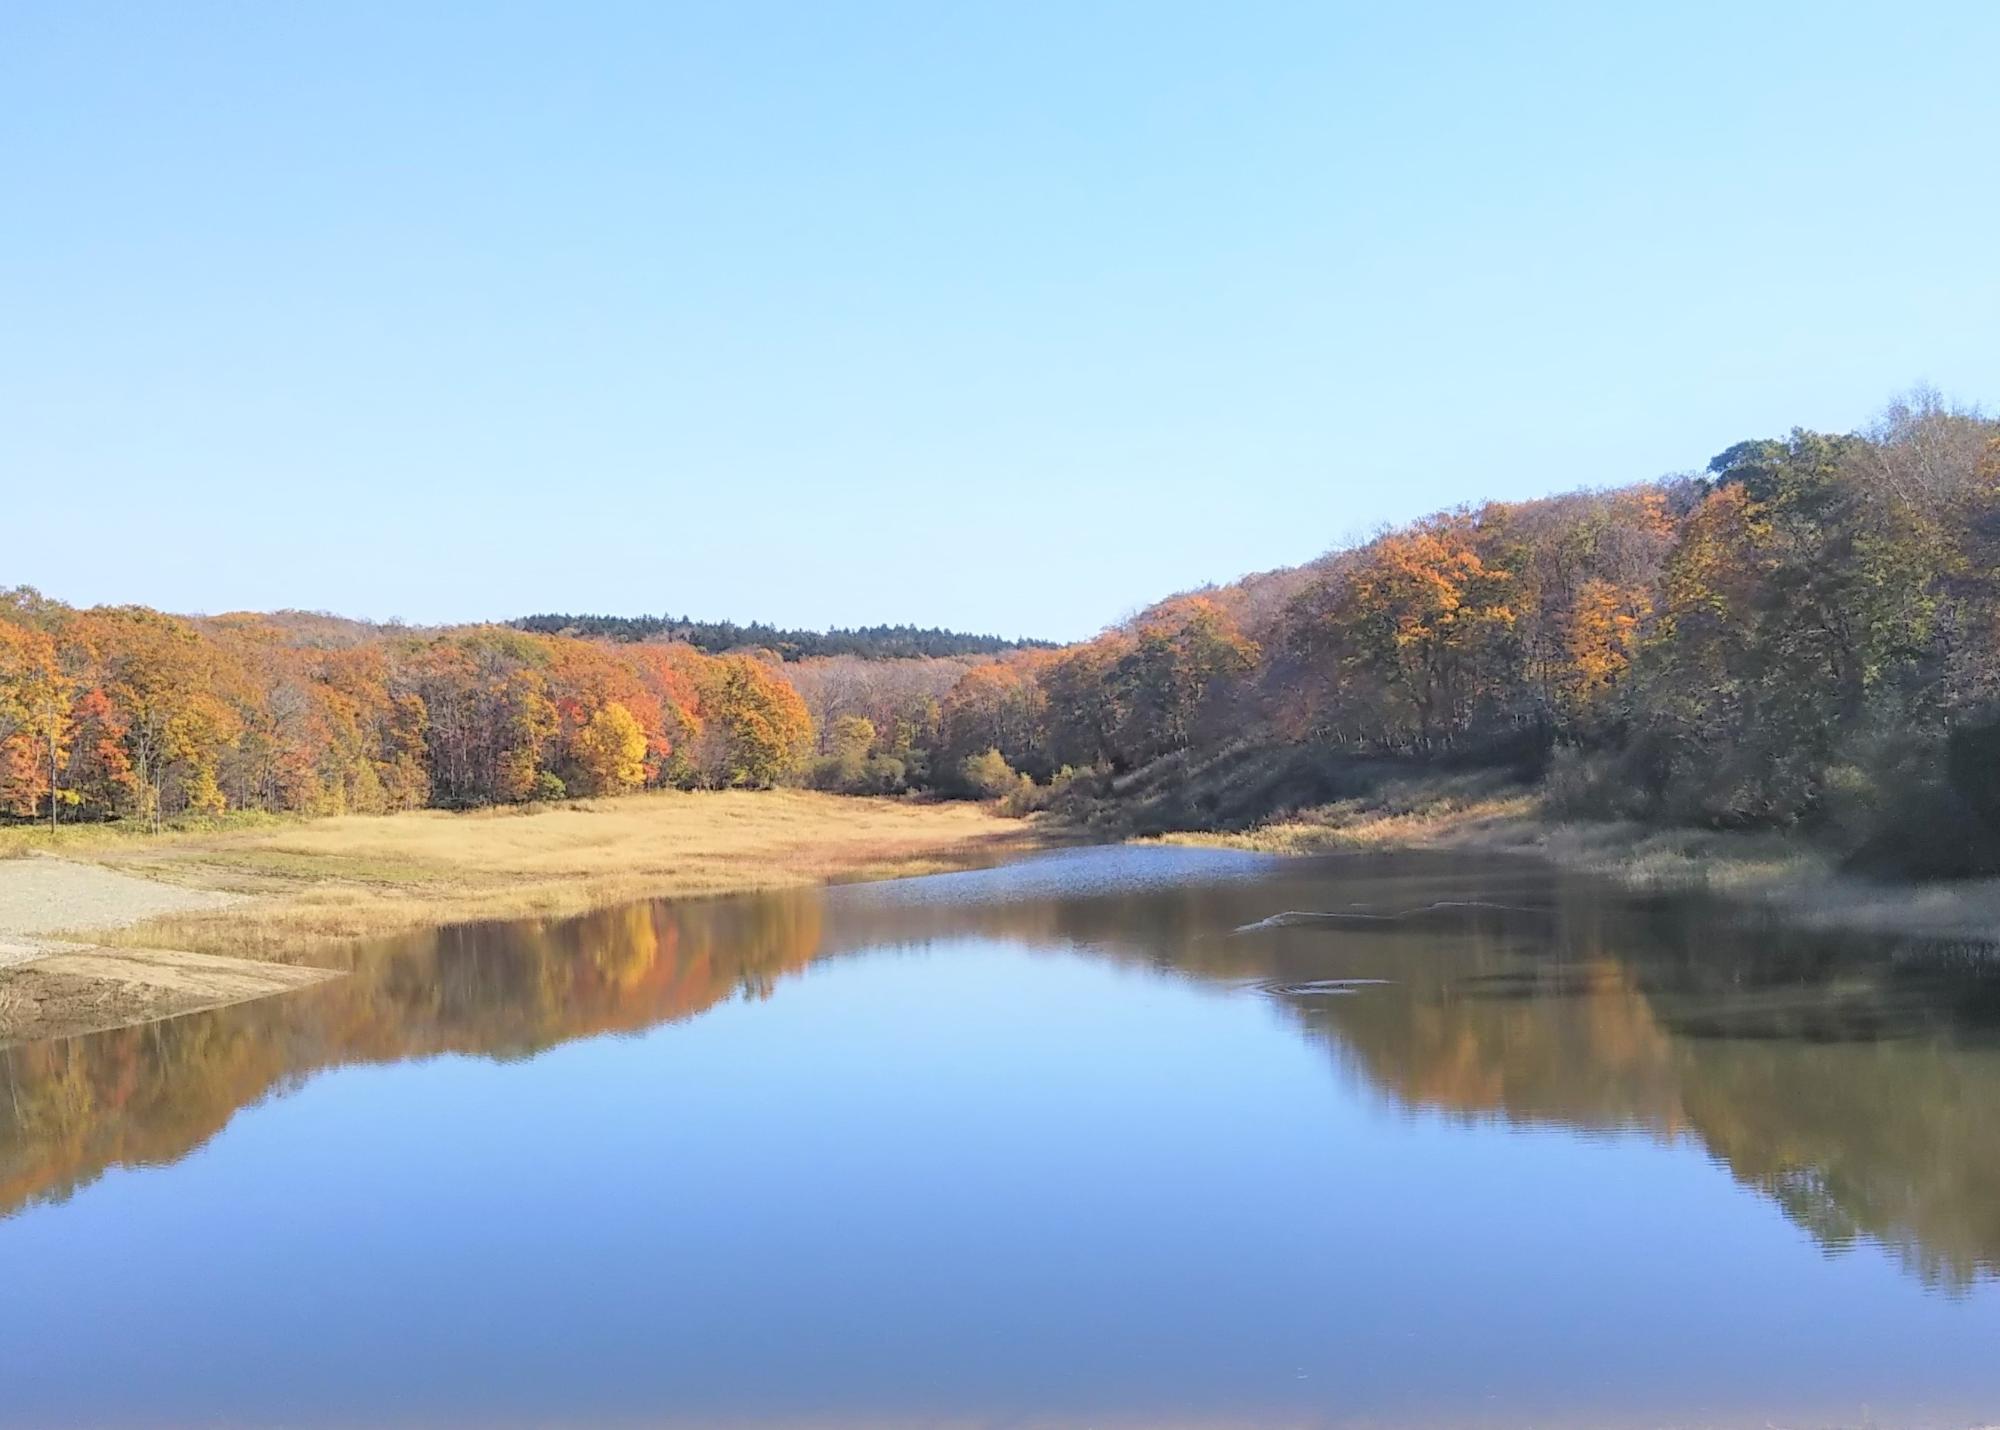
[
  {"x": 78, "y": 989},
  {"x": 51, "y": 987}
]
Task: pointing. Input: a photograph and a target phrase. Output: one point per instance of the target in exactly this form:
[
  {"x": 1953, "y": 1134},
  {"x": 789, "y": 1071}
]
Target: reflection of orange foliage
[
  {"x": 1889, "y": 1140},
  {"x": 1587, "y": 1051},
  {"x": 151, "y": 1094}
]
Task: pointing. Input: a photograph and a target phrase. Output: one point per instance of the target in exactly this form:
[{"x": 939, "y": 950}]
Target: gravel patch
[
  {"x": 52, "y": 988},
  {"x": 43, "y": 895},
  {"x": 12, "y": 951}
]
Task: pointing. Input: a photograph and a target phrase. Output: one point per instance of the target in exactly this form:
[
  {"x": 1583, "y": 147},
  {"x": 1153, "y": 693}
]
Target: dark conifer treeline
[{"x": 718, "y": 637}]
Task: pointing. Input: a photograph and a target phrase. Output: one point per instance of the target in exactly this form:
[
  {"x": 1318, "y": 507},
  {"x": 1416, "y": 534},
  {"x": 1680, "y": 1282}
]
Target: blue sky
[{"x": 1008, "y": 317}]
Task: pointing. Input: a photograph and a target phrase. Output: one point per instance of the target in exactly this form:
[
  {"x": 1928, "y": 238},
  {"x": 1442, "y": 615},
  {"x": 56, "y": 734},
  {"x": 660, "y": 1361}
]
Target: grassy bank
[
  {"x": 1785, "y": 874},
  {"x": 201, "y": 916},
  {"x": 1431, "y": 811},
  {"x": 22, "y": 838},
  {"x": 310, "y": 882}
]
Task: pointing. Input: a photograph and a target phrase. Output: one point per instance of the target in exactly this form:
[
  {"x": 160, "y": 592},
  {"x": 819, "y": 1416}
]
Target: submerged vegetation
[{"x": 1804, "y": 638}]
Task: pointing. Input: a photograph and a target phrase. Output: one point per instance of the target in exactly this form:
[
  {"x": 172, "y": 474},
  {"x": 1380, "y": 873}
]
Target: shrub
[{"x": 988, "y": 775}]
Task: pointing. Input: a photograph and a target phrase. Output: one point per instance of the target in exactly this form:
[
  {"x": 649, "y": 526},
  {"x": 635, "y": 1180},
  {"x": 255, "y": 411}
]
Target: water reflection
[{"x": 1852, "y": 1080}]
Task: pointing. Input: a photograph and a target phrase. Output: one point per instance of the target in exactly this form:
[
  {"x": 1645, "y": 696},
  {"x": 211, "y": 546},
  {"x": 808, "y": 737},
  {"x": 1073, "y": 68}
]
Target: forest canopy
[{"x": 1804, "y": 635}]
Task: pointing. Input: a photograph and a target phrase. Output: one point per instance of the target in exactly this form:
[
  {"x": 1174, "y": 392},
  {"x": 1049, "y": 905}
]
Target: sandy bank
[
  {"x": 51, "y": 986},
  {"x": 136, "y": 912},
  {"x": 77, "y": 988}
]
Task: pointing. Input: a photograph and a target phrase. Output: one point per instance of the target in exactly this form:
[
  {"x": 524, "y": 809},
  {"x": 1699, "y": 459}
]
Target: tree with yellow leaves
[
  {"x": 611, "y": 751},
  {"x": 760, "y": 727}
]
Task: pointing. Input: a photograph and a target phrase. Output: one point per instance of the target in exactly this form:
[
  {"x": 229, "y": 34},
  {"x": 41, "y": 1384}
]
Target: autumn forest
[{"x": 1805, "y": 636}]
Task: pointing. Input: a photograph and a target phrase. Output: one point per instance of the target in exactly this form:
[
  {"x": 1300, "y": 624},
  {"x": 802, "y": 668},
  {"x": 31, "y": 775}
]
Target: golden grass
[
  {"x": 1487, "y": 811},
  {"x": 361, "y": 876},
  {"x": 1782, "y": 874},
  {"x": 1727, "y": 861},
  {"x": 1401, "y": 814}
]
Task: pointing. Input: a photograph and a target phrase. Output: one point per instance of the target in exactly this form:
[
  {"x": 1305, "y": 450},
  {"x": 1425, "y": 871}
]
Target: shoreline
[
  {"x": 185, "y": 921},
  {"x": 1781, "y": 875},
  {"x": 182, "y": 922}
]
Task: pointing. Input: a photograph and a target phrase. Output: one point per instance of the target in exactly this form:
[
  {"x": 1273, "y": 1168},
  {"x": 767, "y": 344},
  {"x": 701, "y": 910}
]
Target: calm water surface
[{"x": 1063, "y": 1143}]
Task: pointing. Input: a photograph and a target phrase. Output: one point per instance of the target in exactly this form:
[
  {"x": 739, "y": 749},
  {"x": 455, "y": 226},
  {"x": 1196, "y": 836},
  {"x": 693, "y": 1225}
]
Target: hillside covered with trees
[{"x": 1804, "y": 636}]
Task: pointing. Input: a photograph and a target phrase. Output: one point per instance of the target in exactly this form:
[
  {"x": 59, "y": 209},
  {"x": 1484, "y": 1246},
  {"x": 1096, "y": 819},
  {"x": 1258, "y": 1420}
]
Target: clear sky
[{"x": 1009, "y": 317}]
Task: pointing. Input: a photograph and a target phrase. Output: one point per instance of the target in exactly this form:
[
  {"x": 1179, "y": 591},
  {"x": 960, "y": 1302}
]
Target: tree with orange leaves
[
  {"x": 1172, "y": 683},
  {"x": 1603, "y": 631},
  {"x": 996, "y": 706},
  {"x": 165, "y": 680},
  {"x": 98, "y": 776},
  {"x": 1084, "y": 700},
  {"x": 1410, "y": 638},
  {"x": 35, "y": 723}
]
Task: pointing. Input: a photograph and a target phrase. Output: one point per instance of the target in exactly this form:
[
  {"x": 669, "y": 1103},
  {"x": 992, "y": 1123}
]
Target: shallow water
[{"x": 1096, "y": 1139}]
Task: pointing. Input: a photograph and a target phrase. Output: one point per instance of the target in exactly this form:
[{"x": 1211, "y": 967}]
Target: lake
[{"x": 1112, "y": 1137}]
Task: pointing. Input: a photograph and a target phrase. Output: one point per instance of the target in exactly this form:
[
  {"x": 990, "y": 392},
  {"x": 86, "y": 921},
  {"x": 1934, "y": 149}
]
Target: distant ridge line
[{"x": 883, "y": 642}]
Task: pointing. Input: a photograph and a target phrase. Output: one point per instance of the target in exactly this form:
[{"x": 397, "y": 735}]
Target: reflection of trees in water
[
  {"x": 148, "y": 1095},
  {"x": 1890, "y": 1142},
  {"x": 1851, "y": 1082}
]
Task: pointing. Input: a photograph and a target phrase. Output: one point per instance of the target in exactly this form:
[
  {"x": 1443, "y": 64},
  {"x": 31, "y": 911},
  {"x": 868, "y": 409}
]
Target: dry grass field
[
  {"x": 96, "y": 934},
  {"x": 358, "y": 876},
  {"x": 1400, "y": 814}
]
